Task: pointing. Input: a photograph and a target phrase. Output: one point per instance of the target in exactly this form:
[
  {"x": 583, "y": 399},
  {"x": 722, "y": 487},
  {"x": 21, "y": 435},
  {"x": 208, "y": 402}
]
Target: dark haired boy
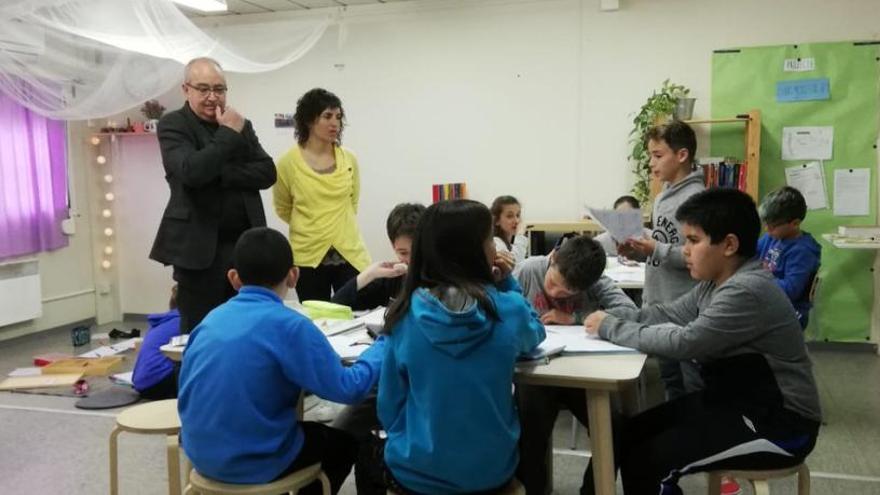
[
  {"x": 243, "y": 371},
  {"x": 792, "y": 255},
  {"x": 381, "y": 281},
  {"x": 760, "y": 408},
  {"x": 672, "y": 147},
  {"x": 563, "y": 287}
]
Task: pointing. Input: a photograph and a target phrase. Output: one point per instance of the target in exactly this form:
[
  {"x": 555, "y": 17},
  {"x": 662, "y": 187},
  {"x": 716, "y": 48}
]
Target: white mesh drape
[{"x": 81, "y": 59}]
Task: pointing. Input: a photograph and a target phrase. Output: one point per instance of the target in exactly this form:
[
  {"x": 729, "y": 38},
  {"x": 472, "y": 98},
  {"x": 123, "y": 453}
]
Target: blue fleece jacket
[
  {"x": 445, "y": 394},
  {"x": 243, "y": 370},
  {"x": 152, "y": 366},
  {"x": 793, "y": 262}
]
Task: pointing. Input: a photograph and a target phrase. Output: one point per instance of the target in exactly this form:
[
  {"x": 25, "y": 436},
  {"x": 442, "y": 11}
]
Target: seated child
[
  {"x": 506, "y": 212},
  {"x": 563, "y": 287},
  {"x": 154, "y": 374},
  {"x": 243, "y": 371},
  {"x": 604, "y": 239},
  {"x": 760, "y": 407},
  {"x": 454, "y": 335},
  {"x": 791, "y": 254},
  {"x": 381, "y": 281}
]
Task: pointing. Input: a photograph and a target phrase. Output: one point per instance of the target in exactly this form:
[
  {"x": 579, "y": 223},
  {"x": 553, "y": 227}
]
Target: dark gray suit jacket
[{"x": 199, "y": 169}]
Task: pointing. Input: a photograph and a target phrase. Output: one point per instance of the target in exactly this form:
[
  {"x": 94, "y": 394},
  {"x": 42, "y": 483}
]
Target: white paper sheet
[
  {"x": 577, "y": 341},
  {"x": 123, "y": 378},
  {"x": 621, "y": 273},
  {"x": 852, "y": 190},
  {"x": 809, "y": 179},
  {"x": 350, "y": 346},
  {"x": 621, "y": 224},
  {"x": 807, "y": 143},
  {"x": 26, "y": 372}
]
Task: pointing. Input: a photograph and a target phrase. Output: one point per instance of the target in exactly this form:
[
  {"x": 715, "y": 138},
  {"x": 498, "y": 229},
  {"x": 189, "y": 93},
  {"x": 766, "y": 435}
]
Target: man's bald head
[{"x": 204, "y": 86}]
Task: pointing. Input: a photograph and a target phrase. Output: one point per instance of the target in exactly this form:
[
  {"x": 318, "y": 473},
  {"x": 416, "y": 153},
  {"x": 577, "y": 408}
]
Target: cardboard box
[{"x": 103, "y": 366}]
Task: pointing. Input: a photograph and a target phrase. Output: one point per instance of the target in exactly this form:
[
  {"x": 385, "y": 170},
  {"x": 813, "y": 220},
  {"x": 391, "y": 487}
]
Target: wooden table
[{"x": 599, "y": 375}]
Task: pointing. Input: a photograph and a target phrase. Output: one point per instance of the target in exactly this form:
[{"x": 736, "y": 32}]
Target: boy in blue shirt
[
  {"x": 244, "y": 368},
  {"x": 791, "y": 254},
  {"x": 154, "y": 375}
]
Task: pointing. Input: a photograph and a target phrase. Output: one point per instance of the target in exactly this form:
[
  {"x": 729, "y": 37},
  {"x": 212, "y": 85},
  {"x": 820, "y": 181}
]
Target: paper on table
[
  {"x": 335, "y": 327},
  {"x": 621, "y": 224},
  {"x": 350, "y": 346},
  {"x": 545, "y": 350},
  {"x": 809, "y": 179},
  {"x": 852, "y": 188},
  {"x": 807, "y": 143},
  {"x": 576, "y": 340}
]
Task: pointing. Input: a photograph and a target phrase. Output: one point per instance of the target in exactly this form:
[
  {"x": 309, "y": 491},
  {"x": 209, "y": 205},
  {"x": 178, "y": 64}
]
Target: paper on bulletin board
[
  {"x": 809, "y": 179},
  {"x": 807, "y": 143},
  {"x": 852, "y": 191}
]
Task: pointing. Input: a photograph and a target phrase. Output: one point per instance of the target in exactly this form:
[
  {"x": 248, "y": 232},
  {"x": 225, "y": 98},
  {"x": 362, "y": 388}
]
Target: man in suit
[{"x": 215, "y": 167}]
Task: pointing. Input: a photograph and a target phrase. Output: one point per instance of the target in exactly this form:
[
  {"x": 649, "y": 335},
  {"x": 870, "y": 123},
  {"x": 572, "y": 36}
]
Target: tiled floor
[{"x": 49, "y": 446}]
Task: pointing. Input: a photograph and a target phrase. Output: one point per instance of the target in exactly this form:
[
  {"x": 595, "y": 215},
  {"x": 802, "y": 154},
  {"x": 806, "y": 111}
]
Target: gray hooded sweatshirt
[
  {"x": 746, "y": 317},
  {"x": 666, "y": 276}
]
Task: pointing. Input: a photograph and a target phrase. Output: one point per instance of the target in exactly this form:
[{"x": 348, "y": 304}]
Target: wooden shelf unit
[{"x": 752, "y": 143}]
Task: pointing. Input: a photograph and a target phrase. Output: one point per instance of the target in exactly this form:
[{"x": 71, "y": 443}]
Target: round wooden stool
[
  {"x": 291, "y": 483},
  {"x": 153, "y": 418},
  {"x": 512, "y": 488},
  {"x": 758, "y": 479}
]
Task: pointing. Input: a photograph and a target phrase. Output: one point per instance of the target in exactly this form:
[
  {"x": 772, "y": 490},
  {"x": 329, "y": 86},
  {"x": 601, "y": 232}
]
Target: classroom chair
[
  {"x": 153, "y": 418},
  {"x": 292, "y": 483},
  {"x": 758, "y": 479}
]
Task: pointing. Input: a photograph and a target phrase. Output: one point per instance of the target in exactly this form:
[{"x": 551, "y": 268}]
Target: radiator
[{"x": 20, "y": 291}]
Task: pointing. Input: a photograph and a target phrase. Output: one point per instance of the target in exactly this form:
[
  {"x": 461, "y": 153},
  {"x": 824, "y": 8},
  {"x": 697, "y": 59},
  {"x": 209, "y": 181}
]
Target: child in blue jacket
[
  {"x": 453, "y": 337},
  {"x": 791, "y": 254},
  {"x": 244, "y": 368}
]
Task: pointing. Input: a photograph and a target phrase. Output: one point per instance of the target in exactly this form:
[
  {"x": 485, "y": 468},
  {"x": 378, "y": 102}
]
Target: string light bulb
[
  {"x": 96, "y": 140},
  {"x": 101, "y": 159},
  {"x": 108, "y": 232},
  {"x": 108, "y": 250},
  {"x": 106, "y": 264},
  {"x": 109, "y": 196},
  {"x": 106, "y": 213},
  {"x": 108, "y": 178}
]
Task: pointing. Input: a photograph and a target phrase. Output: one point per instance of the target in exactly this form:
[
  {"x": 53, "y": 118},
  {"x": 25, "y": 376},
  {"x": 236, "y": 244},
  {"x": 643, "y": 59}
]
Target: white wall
[{"x": 531, "y": 98}]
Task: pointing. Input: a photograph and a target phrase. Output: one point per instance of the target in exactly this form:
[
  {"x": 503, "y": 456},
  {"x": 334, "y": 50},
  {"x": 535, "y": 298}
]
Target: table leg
[{"x": 599, "y": 407}]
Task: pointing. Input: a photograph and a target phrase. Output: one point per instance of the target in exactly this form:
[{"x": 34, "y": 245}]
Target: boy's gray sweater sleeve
[
  {"x": 669, "y": 253},
  {"x": 727, "y": 322},
  {"x": 679, "y": 312},
  {"x": 610, "y": 296}
]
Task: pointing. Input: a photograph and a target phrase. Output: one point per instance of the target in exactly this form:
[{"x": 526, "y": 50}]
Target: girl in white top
[{"x": 506, "y": 220}]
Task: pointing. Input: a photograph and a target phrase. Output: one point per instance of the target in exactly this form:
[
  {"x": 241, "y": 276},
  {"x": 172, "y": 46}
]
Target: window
[{"x": 33, "y": 181}]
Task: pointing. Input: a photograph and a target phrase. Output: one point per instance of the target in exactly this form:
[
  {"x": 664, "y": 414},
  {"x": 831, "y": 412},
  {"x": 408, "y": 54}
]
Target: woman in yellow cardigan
[{"x": 317, "y": 194}]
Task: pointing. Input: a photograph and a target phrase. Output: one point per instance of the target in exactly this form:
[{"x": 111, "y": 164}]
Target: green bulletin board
[{"x": 746, "y": 79}]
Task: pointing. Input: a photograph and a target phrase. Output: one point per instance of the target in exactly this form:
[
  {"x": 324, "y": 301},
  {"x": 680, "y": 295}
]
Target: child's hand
[
  {"x": 594, "y": 321},
  {"x": 503, "y": 265},
  {"x": 641, "y": 248},
  {"x": 556, "y": 317},
  {"x": 381, "y": 269}
]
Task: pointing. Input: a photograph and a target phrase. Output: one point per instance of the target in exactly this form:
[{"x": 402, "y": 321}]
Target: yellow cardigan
[{"x": 320, "y": 209}]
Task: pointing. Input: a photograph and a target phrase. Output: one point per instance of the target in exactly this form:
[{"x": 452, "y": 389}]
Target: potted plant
[
  {"x": 152, "y": 110},
  {"x": 659, "y": 108}
]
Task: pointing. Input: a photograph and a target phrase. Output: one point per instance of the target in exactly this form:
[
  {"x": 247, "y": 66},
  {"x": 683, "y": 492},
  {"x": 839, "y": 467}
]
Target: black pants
[
  {"x": 315, "y": 283},
  {"x": 679, "y": 377},
  {"x": 694, "y": 434},
  {"x": 538, "y": 408},
  {"x": 200, "y": 291},
  {"x": 165, "y": 389},
  {"x": 359, "y": 419},
  {"x": 336, "y": 451}
]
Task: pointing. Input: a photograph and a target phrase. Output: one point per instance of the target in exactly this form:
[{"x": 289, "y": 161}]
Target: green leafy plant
[
  {"x": 657, "y": 109},
  {"x": 152, "y": 109}
]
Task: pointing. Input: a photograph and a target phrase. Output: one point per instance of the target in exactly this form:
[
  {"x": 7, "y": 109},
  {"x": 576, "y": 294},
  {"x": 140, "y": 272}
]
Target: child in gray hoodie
[
  {"x": 759, "y": 409},
  {"x": 672, "y": 147}
]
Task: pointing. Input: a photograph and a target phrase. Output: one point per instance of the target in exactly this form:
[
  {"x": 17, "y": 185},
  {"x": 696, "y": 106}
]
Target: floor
[{"x": 49, "y": 446}]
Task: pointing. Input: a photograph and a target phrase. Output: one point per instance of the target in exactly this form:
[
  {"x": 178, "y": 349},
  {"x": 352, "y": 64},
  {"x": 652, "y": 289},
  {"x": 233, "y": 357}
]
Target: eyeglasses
[{"x": 204, "y": 91}]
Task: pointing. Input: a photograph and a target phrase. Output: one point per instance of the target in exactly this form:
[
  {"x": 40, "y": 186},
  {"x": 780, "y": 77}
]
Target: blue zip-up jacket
[
  {"x": 445, "y": 393},
  {"x": 243, "y": 370},
  {"x": 794, "y": 263},
  {"x": 152, "y": 366}
]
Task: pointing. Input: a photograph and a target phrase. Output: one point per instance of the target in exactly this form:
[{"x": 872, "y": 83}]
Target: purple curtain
[{"x": 33, "y": 181}]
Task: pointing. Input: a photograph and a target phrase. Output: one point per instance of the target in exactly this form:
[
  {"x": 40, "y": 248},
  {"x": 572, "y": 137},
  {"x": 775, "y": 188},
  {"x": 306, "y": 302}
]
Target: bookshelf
[{"x": 751, "y": 122}]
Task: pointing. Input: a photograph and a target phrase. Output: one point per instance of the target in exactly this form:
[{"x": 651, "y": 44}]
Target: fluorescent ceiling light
[{"x": 204, "y": 5}]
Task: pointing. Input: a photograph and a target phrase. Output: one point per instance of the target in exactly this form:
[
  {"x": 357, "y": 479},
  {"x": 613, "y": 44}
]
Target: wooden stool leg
[
  {"x": 803, "y": 480},
  {"x": 173, "y": 453},
  {"x": 714, "y": 484},
  {"x": 761, "y": 487},
  {"x": 114, "y": 462}
]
